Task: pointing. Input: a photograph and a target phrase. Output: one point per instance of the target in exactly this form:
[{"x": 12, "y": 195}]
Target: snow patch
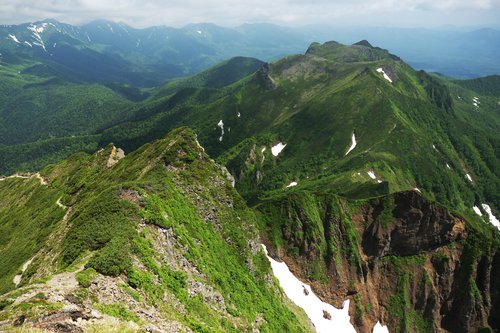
[
  {"x": 302, "y": 295},
  {"x": 353, "y": 143},
  {"x": 468, "y": 177},
  {"x": 199, "y": 32},
  {"x": 448, "y": 166},
  {"x": 371, "y": 174},
  {"x": 40, "y": 28},
  {"x": 239, "y": 115},
  {"x": 17, "y": 278},
  {"x": 381, "y": 71},
  {"x": 27, "y": 43},
  {"x": 475, "y": 102},
  {"x": 138, "y": 43},
  {"x": 221, "y": 125},
  {"x": 417, "y": 189},
  {"x": 14, "y": 38},
  {"x": 276, "y": 149},
  {"x": 36, "y": 35},
  {"x": 262, "y": 152},
  {"x": 292, "y": 184},
  {"x": 379, "y": 328},
  {"x": 434, "y": 147},
  {"x": 492, "y": 218},
  {"x": 477, "y": 210}
]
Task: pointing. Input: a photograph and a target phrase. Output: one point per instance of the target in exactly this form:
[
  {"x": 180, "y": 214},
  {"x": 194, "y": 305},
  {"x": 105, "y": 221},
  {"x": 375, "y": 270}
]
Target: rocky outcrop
[
  {"x": 263, "y": 78},
  {"x": 416, "y": 225},
  {"x": 401, "y": 259}
]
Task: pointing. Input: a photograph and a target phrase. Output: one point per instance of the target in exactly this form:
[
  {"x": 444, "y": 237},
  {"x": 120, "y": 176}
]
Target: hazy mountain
[
  {"x": 453, "y": 52},
  {"x": 104, "y": 51}
]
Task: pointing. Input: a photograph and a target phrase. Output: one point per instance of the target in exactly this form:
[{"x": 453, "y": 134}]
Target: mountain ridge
[{"x": 375, "y": 183}]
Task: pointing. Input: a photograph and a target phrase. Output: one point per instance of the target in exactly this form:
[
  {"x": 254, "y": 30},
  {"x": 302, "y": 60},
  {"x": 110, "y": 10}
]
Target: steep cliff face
[{"x": 401, "y": 259}]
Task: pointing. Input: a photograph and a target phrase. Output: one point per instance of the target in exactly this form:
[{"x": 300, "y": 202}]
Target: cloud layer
[{"x": 141, "y": 13}]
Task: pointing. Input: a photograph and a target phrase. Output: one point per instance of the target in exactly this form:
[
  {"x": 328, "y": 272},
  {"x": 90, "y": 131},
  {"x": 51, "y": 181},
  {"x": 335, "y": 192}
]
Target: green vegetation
[
  {"x": 218, "y": 76},
  {"x": 28, "y": 216},
  {"x": 400, "y": 305},
  {"x": 319, "y": 101},
  {"x": 160, "y": 184},
  {"x": 111, "y": 328},
  {"x": 119, "y": 311},
  {"x": 86, "y": 277}
]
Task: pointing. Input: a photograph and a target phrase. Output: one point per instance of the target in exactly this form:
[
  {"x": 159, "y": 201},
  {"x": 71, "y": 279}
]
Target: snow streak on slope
[
  {"x": 381, "y": 71},
  {"x": 493, "y": 219},
  {"x": 353, "y": 143},
  {"x": 302, "y": 295},
  {"x": 221, "y": 125},
  {"x": 14, "y": 38}
]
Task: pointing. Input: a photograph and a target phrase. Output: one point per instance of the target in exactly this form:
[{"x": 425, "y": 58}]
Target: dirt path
[
  {"x": 42, "y": 180},
  {"x": 55, "y": 289},
  {"x": 68, "y": 209}
]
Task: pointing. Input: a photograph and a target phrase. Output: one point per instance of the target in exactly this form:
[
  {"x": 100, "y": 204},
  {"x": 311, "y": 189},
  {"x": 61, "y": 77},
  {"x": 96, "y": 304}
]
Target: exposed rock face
[
  {"x": 402, "y": 259},
  {"x": 418, "y": 226},
  {"x": 263, "y": 79}
]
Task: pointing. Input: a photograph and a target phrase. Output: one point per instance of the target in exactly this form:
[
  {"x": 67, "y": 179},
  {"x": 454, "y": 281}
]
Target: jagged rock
[
  {"x": 263, "y": 78},
  {"x": 327, "y": 315},
  {"x": 418, "y": 226}
]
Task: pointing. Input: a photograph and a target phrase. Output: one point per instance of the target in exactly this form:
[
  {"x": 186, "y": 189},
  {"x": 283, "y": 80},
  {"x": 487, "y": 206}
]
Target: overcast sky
[{"x": 142, "y": 13}]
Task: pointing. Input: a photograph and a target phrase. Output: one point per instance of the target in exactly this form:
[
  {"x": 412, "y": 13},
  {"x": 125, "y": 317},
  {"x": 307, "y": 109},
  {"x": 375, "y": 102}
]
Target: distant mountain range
[{"x": 104, "y": 51}]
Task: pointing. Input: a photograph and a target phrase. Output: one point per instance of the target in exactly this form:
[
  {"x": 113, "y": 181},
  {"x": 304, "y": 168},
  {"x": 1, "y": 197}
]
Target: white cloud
[{"x": 232, "y": 12}]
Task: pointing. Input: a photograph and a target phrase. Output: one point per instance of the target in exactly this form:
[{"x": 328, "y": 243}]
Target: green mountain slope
[
  {"x": 416, "y": 131},
  {"x": 45, "y": 116},
  {"x": 159, "y": 239},
  {"x": 218, "y": 76},
  {"x": 411, "y": 132},
  {"x": 162, "y": 227},
  {"x": 38, "y": 105}
]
